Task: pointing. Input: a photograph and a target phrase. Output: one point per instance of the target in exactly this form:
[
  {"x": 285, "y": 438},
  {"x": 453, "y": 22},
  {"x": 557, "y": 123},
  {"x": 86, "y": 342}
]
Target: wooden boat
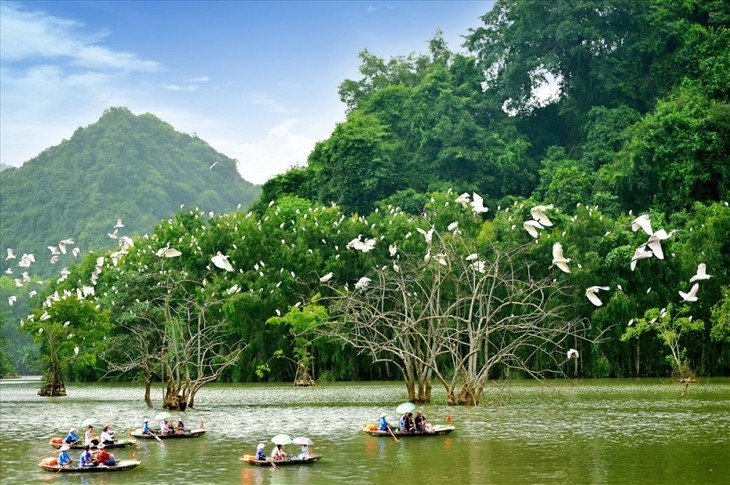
[
  {"x": 193, "y": 433},
  {"x": 251, "y": 460},
  {"x": 51, "y": 465},
  {"x": 437, "y": 430},
  {"x": 57, "y": 442}
]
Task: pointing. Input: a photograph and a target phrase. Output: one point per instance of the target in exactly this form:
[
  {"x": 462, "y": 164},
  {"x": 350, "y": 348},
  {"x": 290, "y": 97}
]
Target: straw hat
[
  {"x": 383, "y": 414},
  {"x": 260, "y": 446},
  {"x": 72, "y": 429},
  {"x": 146, "y": 420},
  {"x": 101, "y": 445},
  {"x": 65, "y": 447}
]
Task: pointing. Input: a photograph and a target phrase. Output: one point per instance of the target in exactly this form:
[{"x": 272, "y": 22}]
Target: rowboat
[
  {"x": 193, "y": 433},
  {"x": 436, "y": 430},
  {"x": 51, "y": 465},
  {"x": 57, "y": 442},
  {"x": 251, "y": 460}
]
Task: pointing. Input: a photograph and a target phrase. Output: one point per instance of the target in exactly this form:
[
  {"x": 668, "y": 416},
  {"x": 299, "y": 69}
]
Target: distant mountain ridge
[{"x": 131, "y": 167}]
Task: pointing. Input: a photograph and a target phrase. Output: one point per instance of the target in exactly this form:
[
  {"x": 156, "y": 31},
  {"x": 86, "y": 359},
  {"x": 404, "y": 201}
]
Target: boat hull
[
  {"x": 121, "y": 466},
  {"x": 251, "y": 460},
  {"x": 438, "y": 430},
  {"x": 193, "y": 433},
  {"x": 57, "y": 442}
]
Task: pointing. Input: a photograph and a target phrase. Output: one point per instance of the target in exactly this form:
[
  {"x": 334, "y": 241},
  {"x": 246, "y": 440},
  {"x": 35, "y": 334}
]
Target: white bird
[
  {"x": 427, "y": 235},
  {"x": 62, "y": 244},
  {"x": 32, "y": 293},
  {"x": 118, "y": 224},
  {"x": 572, "y": 354},
  {"x": 640, "y": 253},
  {"x": 213, "y": 165},
  {"x": 76, "y": 351},
  {"x": 126, "y": 242},
  {"x": 477, "y": 204},
  {"x": 643, "y": 222},
  {"x": 26, "y": 260},
  {"x": 167, "y": 253},
  {"x": 54, "y": 250},
  {"x": 392, "y": 250},
  {"x": 472, "y": 257},
  {"x": 531, "y": 227},
  {"x": 441, "y": 258},
  {"x": 538, "y": 214},
  {"x": 327, "y": 277},
  {"x": 654, "y": 242},
  {"x": 362, "y": 283},
  {"x": 233, "y": 289},
  {"x": 10, "y": 254},
  {"x": 559, "y": 260},
  {"x": 464, "y": 199},
  {"x": 701, "y": 274},
  {"x": 221, "y": 261},
  {"x": 45, "y": 317},
  {"x": 75, "y": 251},
  {"x": 692, "y": 295},
  {"x": 12, "y": 299},
  {"x": 592, "y": 294},
  {"x": 479, "y": 266},
  {"x": 453, "y": 226},
  {"x": 113, "y": 235}
]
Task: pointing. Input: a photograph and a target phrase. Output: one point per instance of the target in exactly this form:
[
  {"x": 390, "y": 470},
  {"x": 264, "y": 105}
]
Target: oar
[{"x": 392, "y": 434}]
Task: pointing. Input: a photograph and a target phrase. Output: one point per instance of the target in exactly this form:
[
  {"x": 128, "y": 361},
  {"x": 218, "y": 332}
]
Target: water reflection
[{"x": 593, "y": 432}]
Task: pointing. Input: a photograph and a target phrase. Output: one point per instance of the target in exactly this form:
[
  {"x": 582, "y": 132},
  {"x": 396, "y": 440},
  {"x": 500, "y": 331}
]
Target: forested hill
[
  {"x": 640, "y": 117},
  {"x": 134, "y": 168}
]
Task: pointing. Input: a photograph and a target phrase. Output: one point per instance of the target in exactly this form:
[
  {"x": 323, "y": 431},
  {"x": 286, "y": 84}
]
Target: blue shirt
[
  {"x": 260, "y": 455},
  {"x": 64, "y": 458},
  {"x": 71, "y": 438},
  {"x": 86, "y": 459},
  {"x": 383, "y": 424},
  {"x": 146, "y": 428}
]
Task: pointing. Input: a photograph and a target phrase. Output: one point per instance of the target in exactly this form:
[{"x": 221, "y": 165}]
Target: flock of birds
[{"x": 540, "y": 221}]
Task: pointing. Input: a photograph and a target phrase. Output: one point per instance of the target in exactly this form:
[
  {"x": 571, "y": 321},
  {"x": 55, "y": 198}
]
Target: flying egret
[
  {"x": 118, "y": 224},
  {"x": 62, "y": 244},
  {"x": 692, "y": 295},
  {"x": 654, "y": 242},
  {"x": 640, "y": 253},
  {"x": 221, "y": 261},
  {"x": 642, "y": 222},
  {"x": 54, "y": 250},
  {"x": 113, "y": 235},
  {"x": 75, "y": 251},
  {"x": 572, "y": 354},
  {"x": 559, "y": 260},
  {"x": 12, "y": 299},
  {"x": 464, "y": 199},
  {"x": 327, "y": 277},
  {"x": 531, "y": 227},
  {"x": 477, "y": 204},
  {"x": 701, "y": 274},
  {"x": 538, "y": 214},
  {"x": 592, "y": 294},
  {"x": 427, "y": 235}
]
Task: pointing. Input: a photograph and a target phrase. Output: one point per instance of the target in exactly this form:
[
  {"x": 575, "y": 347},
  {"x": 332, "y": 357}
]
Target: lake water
[{"x": 598, "y": 431}]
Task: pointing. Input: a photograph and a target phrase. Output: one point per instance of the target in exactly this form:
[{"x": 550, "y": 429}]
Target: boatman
[
  {"x": 72, "y": 437},
  {"x": 146, "y": 427},
  {"x": 382, "y": 423},
  {"x": 260, "y": 455},
  {"x": 63, "y": 457}
]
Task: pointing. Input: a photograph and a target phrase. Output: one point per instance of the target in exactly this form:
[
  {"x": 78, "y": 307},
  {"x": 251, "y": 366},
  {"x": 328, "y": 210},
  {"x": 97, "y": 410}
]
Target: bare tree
[{"x": 458, "y": 316}]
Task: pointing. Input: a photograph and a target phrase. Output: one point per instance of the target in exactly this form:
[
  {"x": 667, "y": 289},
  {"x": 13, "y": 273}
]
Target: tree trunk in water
[
  {"x": 147, "y": 391},
  {"x": 54, "y": 384},
  {"x": 469, "y": 396},
  {"x": 424, "y": 391},
  {"x": 411, "y": 388}
]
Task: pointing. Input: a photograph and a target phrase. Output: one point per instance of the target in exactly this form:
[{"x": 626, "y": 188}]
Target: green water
[{"x": 600, "y": 431}]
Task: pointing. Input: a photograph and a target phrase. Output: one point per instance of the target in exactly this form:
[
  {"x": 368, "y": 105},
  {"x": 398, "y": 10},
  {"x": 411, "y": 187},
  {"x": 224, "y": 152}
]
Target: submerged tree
[{"x": 460, "y": 315}]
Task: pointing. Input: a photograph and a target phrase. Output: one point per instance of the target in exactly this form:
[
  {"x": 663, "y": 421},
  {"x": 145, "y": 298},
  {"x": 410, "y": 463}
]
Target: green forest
[{"x": 453, "y": 229}]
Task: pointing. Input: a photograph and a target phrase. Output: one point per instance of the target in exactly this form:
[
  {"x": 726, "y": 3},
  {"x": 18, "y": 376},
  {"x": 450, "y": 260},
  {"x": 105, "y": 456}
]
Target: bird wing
[
  {"x": 656, "y": 247},
  {"x": 592, "y": 297},
  {"x": 643, "y": 222},
  {"x": 558, "y": 251},
  {"x": 563, "y": 267}
]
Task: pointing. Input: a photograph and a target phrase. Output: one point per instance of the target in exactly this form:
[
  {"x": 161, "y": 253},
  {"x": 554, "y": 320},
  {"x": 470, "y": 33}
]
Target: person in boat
[
  {"x": 146, "y": 427},
  {"x": 86, "y": 458},
  {"x": 304, "y": 453},
  {"x": 382, "y": 423},
  {"x": 278, "y": 453},
  {"x": 89, "y": 438},
  {"x": 71, "y": 437},
  {"x": 103, "y": 457},
  {"x": 420, "y": 421},
  {"x": 406, "y": 423},
  {"x": 260, "y": 455},
  {"x": 63, "y": 457},
  {"x": 180, "y": 429},
  {"x": 165, "y": 427},
  {"x": 107, "y": 436}
]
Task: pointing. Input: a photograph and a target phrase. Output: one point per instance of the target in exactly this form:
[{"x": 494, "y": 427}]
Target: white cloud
[
  {"x": 270, "y": 104},
  {"x": 177, "y": 87}
]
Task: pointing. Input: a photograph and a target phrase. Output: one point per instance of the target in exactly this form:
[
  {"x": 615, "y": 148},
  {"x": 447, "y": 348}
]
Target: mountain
[
  {"x": 3, "y": 166},
  {"x": 134, "y": 168}
]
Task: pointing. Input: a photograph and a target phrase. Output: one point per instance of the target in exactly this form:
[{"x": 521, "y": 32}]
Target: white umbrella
[
  {"x": 162, "y": 415},
  {"x": 302, "y": 440},
  {"x": 281, "y": 439}
]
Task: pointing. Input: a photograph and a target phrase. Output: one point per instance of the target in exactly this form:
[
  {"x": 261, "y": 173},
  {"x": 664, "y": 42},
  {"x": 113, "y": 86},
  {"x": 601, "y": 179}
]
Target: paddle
[{"x": 393, "y": 435}]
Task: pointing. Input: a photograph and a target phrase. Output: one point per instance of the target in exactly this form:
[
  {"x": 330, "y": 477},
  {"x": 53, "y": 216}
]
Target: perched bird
[
  {"x": 453, "y": 226},
  {"x": 531, "y": 227},
  {"x": 559, "y": 260},
  {"x": 572, "y": 354},
  {"x": 362, "y": 283},
  {"x": 538, "y": 214},
  {"x": 472, "y": 257},
  {"x": 10, "y": 254},
  {"x": 392, "y": 250},
  {"x": 12, "y": 299},
  {"x": 592, "y": 294},
  {"x": 701, "y": 274},
  {"x": 221, "y": 261},
  {"x": 692, "y": 295},
  {"x": 326, "y": 278}
]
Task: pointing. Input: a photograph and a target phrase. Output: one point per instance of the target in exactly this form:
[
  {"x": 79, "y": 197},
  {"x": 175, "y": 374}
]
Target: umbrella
[
  {"x": 88, "y": 421},
  {"x": 162, "y": 415},
  {"x": 302, "y": 440},
  {"x": 405, "y": 407},
  {"x": 281, "y": 439}
]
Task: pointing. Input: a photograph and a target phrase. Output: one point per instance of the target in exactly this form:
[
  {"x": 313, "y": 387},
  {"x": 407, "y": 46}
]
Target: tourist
[
  {"x": 278, "y": 453},
  {"x": 89, "y": 438},
  {"x": 406, "y": 423},
  {"x": 103, "y": 457},
  {"x": 420, "y": 421},
  {"x": 63, "y": 457},
  {"x": 304, "y": 453},
  {"x": 86, "y": 458},
  {"x": 107, "y": 436},
  {"x": 260, "y": 455},
  {"x": 165, "y": 427},
  {"x": 180, "y": 426},
  {"x": 72, "y": 437}
]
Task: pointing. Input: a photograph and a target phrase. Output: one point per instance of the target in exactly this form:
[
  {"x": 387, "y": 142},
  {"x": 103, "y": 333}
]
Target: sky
[{"x": 256, "y": 80}]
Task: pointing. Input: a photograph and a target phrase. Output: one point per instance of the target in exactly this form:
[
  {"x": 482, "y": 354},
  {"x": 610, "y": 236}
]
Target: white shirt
[
  {"x": 107, "y": 436},
  {"x": 278, "y": 454}
]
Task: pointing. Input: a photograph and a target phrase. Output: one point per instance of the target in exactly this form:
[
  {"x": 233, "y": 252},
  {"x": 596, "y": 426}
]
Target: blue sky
[{"x": 256, "y": 80}]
